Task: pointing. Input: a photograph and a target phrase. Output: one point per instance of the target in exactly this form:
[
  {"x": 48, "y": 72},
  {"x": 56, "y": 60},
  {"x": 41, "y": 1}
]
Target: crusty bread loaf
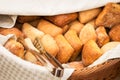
[
  {"x": 49, "y": 28},
  {"x": 50, "y": 44},
  {"x": 90, "y": 52},
  {"x": 87, "y": 33},
  {"x": 88, "y": 15},
  {"x": 15, "y": 47},
  {"x": 73, "y": 39},
  {"x": 109, "y": 15},
  {"x": 65, "y": 49},
  {"x": 76, "y": 25},
  {"x": 15, "y": 31},
  {"x": 62, "y": 19},
  {"x": 102, "y": 36},
  {"x": 115, "y": 33},
  {"x": 31, "y": 32}
]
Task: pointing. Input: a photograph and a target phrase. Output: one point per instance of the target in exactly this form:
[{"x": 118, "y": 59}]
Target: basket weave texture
[{"x": 106, "y": 71}]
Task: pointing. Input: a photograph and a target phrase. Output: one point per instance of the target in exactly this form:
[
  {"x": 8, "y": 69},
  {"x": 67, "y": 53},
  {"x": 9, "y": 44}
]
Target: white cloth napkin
[
  {"x": 14, "y": 68},
  {"x": 7, "y": 21},
  {"x": 48, "y": 7}
]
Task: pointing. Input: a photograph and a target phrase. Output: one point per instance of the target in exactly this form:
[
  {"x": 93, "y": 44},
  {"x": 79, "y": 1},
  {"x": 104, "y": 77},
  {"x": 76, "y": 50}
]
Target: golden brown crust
[
  {"x": 31, "y": 32},
  {"x": 75, "y": 42},
  {"x": 102, "y": 36},
  {"x": 88, "y": 15},
  {"x": 49, "y": 28},
  {"x": 90, "y": 52},
  {"x": 76, "y": 25},
  {"x": 109, "y": 16},
  {"x": 24, "y": 19},
  {"x": 65, "y": 49},
  {"x": 115, "y": 33},
  {"x": 62, "y": 19},
  {"x": 87, "y": 33},
  {"x": 50, "y": 44},
  {"x": 15, "y": 47},
  {"x": 15, "y": 31}
]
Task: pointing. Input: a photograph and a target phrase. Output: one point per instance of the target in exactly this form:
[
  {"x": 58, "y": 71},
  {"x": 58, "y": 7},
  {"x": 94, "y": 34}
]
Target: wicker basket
[{"x": 106, "y": 71}]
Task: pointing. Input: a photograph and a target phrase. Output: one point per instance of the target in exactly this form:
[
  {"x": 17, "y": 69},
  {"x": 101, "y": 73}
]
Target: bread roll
[
  {"x": 90, "y": 52},
  {"x": 31, "y": 32},
  {"x": 15, "y": 31},
  {"x": 102, "y": 36},
  {"x": 65, "y": 49},
  {"x": 62, "y": 19},
  {"x": 87, "y": 33},
  {"x": 15, "y": 47},
  {"x": 115, "y": 33},
  {"x": 50, "y": 44},
  {"x": 75, "y": 42},
  {"x": 108, "y": 46},
  {"x": 77, "y": 26},
  {"x": 109, "y": 15},
  {"x": 24, "y": 19},
  {"x": 30, "y": 57},
  {"x": 88, "y": 15},
  {"x": 49, "y": 28}
]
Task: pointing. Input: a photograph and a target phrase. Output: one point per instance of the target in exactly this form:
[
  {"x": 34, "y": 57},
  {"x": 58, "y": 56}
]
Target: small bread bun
[
  {"x": 74, "y": 41},
  {"x": 115, "y": 33},
  {"x": 62, "y": 19},
  {"x": 31, "y": 32},
  {"x": 15, "y": 47},
  {"x": 87, "y": 33},
  {"x": 49, "y": 28},
  {"x": 108, "y": 46},
  {"x": 50, "y": 44},
  {"x": 76, "y": 25},
  {"x": 109, "y": 15},
  {"x": 15, "y": 31},
  {"x": 90, "y": 52},
  {"x": 88, "y": 15},
  {"x": 65, "y": 49},
  {"x": 102, "y": 36}
]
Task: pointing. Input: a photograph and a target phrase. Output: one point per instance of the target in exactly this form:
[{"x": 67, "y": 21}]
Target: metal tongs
[{"x": 47, "y": 60}]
